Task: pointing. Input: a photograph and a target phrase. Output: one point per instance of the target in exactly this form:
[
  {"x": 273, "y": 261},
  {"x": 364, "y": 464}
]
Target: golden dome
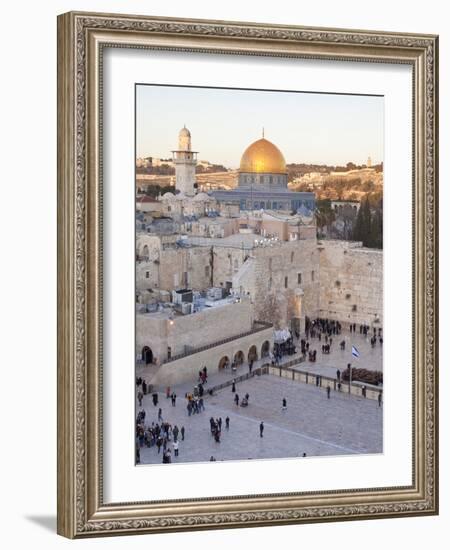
[{"x": 263, "y": 156}]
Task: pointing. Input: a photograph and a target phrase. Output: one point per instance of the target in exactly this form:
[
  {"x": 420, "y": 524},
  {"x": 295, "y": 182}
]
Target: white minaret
[
  {"x": 369, "y": 162},
  {"x": 185, "y": 161}
]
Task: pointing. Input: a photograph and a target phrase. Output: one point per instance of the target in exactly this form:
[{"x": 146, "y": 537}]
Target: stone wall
[
  {"x": 286, "y": 282},
  {"x": 191, "y": 331},
  {"x": 351, "y": 282},
  {"x": 226, "y": 263},
  {"x": 186, "y": 369},
  {"x": 171, "y": 266}
]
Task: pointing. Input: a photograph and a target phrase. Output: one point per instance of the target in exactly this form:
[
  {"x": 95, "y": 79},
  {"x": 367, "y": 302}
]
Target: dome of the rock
[{"x": 262, "y": 156}]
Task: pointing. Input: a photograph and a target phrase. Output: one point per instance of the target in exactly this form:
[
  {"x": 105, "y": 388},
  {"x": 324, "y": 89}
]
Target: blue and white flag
[{"x": 355, "y": 352}]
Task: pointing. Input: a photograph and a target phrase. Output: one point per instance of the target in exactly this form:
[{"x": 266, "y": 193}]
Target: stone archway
[
  {"x": 265, "y": 349},
  {"x": 224, "y": 362},
  {"x": 252, "y": 354},
  {"x": 147, "y": 355},
  {"x": 239, "y": 357},
  {"x": 145, "y": 254}
]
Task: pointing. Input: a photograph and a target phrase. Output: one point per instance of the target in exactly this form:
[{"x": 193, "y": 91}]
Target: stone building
[
  {"x": 178, "y": 346},
  {"x": 262, "y": 182},
  {"x": 215, "y": 277}
]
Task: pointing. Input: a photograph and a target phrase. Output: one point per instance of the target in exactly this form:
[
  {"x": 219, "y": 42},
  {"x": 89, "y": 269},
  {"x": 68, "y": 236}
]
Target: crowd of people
[{"x": 161, "y": 434}]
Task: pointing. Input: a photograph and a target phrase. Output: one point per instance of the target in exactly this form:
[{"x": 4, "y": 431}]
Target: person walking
[
  {"x": 233, "y": 386},
  {"x": 175, "y": 446},
  {"x": 328, "y": 392},
  {"x": 261, "y": 429},
  {"x": 175, "y": 432},
  {"x": 379, "y": 399},
  {"x": 284, "y": 404},
  {"x": 236, "y": 400},
  {"x": 338, "y": 375},
  {"x": 140, "y": 397},
  {"x": 227, "y": 423},
  {"x": 160, "y": 415},
  {"x": 182, "y": 433}
]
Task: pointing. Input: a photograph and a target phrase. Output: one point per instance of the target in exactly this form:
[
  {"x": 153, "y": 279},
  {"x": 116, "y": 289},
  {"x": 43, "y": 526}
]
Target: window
[
  {"x": 285, "y": 282},
  {"x": 299, "y": 278},
  {"x": 312, "y": 276},
  {"x": 147, "y": 274}
]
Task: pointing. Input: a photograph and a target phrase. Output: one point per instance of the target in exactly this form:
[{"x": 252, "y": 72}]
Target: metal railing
[
  {"x": 257, "y": 372},
  {"x": 320, "y": 380},
  {"x": 262, "y": 326}
]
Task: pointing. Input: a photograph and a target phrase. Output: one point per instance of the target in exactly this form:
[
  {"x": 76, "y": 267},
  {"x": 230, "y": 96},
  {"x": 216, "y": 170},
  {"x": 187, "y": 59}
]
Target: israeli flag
[{"x": 355, "y": 352}]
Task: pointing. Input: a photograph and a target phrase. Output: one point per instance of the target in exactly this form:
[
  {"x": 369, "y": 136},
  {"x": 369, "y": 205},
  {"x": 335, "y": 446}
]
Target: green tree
[
  {"x": 325, "y": 215},
  {"x": 368, "y": 227}
]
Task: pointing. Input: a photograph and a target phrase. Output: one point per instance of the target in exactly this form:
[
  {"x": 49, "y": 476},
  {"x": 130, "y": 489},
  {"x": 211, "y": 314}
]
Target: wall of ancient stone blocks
[{"x": 351, "y": 282}]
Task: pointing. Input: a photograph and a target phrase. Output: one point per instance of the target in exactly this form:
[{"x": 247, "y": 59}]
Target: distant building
[
  {"x": 343, "y": 206},
  {"x": 262, "y": 182}
]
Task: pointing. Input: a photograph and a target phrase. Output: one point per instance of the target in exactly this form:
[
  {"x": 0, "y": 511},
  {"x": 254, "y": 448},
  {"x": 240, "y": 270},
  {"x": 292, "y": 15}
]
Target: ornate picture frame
[{"x": 82, "y": 38}]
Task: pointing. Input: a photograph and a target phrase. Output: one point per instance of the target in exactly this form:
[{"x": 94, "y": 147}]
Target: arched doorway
[
  {"x": 239, "y": 357},
  {"x": 145, "y": 252},
  {"x": 265, "y": 349},
  {"x": 252, "y": 354},
  {"x": 147, "y": 355},
  {"x": 224, "y": 362}
]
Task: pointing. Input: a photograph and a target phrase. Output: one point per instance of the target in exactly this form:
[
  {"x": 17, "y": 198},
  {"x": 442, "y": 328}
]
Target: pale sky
[{"x": 306, "y": 127}]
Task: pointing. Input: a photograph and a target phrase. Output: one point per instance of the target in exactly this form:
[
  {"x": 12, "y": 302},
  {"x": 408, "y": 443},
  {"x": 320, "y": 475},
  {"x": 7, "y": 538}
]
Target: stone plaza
[{"x": 311, "y": 425}]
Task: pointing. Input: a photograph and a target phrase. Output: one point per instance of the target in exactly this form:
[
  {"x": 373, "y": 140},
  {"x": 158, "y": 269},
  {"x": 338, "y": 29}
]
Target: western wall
[{"x": 351, "y": 282}]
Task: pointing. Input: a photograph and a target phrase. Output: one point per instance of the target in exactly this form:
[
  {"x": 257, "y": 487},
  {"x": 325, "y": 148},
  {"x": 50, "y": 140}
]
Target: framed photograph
[{"x": 247, "y": 288}]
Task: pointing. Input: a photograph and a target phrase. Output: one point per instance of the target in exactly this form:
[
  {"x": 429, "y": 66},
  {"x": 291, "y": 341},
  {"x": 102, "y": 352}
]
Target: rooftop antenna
[{"x": 263, "y": 131}]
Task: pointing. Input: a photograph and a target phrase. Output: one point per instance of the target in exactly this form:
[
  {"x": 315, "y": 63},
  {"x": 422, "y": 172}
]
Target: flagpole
[{"x": 355, "y": 353}]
